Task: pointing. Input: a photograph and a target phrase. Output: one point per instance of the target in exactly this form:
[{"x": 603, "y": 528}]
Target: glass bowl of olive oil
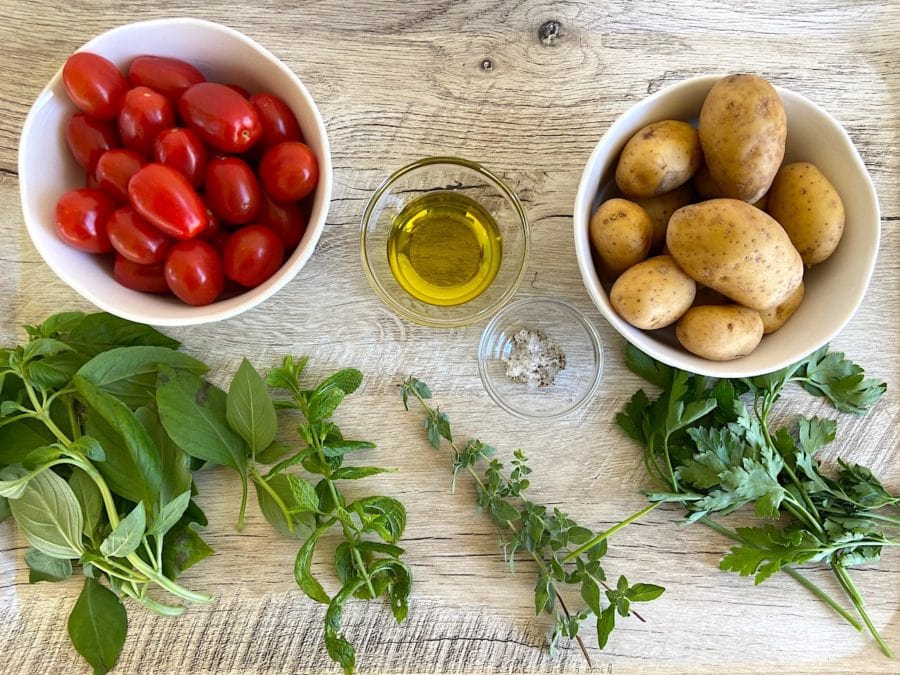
[{"x": 444, "y": 242}]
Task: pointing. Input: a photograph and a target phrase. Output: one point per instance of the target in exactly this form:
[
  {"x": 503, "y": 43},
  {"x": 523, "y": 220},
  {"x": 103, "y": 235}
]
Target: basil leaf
[
  {"x": 55, "y": 372},
  {"x": 100, "y": 332},
  {"x": 176, "y": 474},
  {"x": 4, "y": 509},
  {"x": 97, "y": 626},
  {"x": 183, "y": 548},
  {"x": 132, "y": 464},
  {"x": 44, "y": 346},
  {"x": 129, "y": 373},
  {"x": 302, "y": 568},
  {"x": 193, "y": 413},
  {"x": 170, "y": 514},
  {"x": 89, "y": 447},
  {"x": 127, "y": 535},
  {"x": 249, "y": 410},
  {"x": 88, "y": 495},
  {"x": 13, "y": 481},
  {"x": 40, "y": 456},
  {"x": 42, "y": 567},
  {"x": 63, "y": 322},
  {"x": 273, "y": 453},
  {"x": 19, "y": 438},
  {"x": 49, "y": 516}
]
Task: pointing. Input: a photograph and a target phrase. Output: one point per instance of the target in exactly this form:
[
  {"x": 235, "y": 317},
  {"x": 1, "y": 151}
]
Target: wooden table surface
[{"x": 395, "y": 82}]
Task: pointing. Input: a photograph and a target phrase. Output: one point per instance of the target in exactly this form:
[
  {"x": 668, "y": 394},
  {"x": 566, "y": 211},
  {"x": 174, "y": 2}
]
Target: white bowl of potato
[{"x": 709, "y": 304}]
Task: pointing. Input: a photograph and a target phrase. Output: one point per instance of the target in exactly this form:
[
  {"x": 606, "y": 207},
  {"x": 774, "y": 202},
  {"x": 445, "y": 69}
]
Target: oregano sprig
[{"x": 565, "y": 553}]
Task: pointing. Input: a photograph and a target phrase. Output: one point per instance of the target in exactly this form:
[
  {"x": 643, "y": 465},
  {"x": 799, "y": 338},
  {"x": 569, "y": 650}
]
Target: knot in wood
[
  {"x": 548, "y": 32},
  {"x": 487, "y": 65}
]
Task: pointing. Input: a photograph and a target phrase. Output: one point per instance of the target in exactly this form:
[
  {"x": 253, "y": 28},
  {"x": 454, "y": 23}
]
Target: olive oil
[{"x": 444, "y": 248}]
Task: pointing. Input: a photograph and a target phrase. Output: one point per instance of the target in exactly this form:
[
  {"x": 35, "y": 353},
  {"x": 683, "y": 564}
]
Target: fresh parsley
[{"x": 710, "y": 447}]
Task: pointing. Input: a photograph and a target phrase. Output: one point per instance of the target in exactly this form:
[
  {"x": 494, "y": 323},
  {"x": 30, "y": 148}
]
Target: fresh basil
[
  {"x": 41, "y": 567},
  {"x": 127, "y": 535},
  {"x": 49, "y": 516},
  {"x": 249, "y": 410},
  {"x": 97, "y": 626}
]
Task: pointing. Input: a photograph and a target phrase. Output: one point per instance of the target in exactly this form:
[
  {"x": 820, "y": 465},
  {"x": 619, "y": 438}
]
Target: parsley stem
[
  {"x": 791, "y": 572},
  {"x": 611, "y": 531},
  {"x": 852, "y": 591}
]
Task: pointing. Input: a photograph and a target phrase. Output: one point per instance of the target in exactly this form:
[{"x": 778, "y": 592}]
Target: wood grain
[{"x": 526, "y": 87}]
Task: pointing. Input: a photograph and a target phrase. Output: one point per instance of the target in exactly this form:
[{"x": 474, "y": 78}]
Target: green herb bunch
[
  {"x": 710, "y": 447},
  {"x": 238, "y": 429},
  {"x": 566, "y": 554},
  {"x": 90, "y": 476}
]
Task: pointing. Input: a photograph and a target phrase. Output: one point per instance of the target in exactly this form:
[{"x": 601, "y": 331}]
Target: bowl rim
[
  {"x": 382, "y": 292},
  {"x": 580, "y": 317},
  {"x": 220, "y": 309},
  {"x": 587, "y": 190}
]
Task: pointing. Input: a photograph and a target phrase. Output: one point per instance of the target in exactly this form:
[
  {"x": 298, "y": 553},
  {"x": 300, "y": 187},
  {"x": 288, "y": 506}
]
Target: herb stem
[
  {"x": 562, "y": 603},
  {"x": 852, "y": 591},
  {"x": 242, "y": 512},
  {"x": 611, "y": 531},
  {"x": 791, "y": 572}
]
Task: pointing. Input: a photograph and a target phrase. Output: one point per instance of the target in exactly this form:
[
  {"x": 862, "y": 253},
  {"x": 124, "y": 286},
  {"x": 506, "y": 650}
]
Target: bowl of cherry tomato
[{"x": 175, "y": 172}]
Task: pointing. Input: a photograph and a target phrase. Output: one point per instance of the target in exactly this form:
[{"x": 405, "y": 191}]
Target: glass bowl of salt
[{"x": 540, "y": 358}]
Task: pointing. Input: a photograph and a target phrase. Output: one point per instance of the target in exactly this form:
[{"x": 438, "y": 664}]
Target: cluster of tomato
[{"x": 194, "y": 185}]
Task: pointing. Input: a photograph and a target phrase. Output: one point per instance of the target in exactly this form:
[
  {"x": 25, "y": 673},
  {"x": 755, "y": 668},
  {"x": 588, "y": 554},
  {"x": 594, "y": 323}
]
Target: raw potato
[
  {"x": 775, "y": 317},
  {"x": 661, "y": 208},
  {"x": 707, "y": 189},
  {"x": 743, "y": 128},
  {"x": 720, "y": 332},
  {"x": 659, "y": 158},
  {"x": 653, "y": 294},
  {"x": 621, "y": 233},
  {"x": 809, "y": 209},
  {"x": 736, "y": 249}
]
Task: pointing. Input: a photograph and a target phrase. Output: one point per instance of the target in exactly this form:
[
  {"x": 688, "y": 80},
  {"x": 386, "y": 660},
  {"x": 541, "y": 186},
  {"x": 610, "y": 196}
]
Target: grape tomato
[
  {"x": 182, "y": 150},
  {"x": 194, "y": 272},
  {"x": 114, "y": 169},
  {"x": 165, "y": 198},
  {"x": 169, "y": 76},
  {"x": 81, "y": 217},
  {"x": 232, "y": 191},
  {"x": 222, "y": 117},
  {"x": 286, "y": 219},
  {"x": 94, "y": 84},
  {"x": 145, "y": 278},
  {"x": 276, "y": 119},
  {"x": 88, "y": 138},
  {"x": 289, "y": 171},
  {"x": 252, "y": 254},
  {"x": 144, "y": 114},
  {"x": 136, "y": 239}
]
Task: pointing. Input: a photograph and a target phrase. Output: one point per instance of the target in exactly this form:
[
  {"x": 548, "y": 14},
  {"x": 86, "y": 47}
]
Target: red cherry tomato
[
  {"x": 286, "y": 219},
  {"x": 170, "y": 77},
  {"x": 136, "y": 239},
  {"x": 194, "y": 272},
  {"x": 183, "y": 150},
  {"x": 90, "y": 181},
  {"x": 221, "y": 116},
  {"x": 146, "y": 278},
  {"x": 276, "y": 119},
  {"x": 88, "y": 138},
  {"x": 232, "y": 191},
  {"x": 165, "y": 197},
  {"x": 114, "y": 169},
  {"x": 289, "y": 171},
  {"x": 213, "y": 228},
  {"x": 252, "y": 254},
  {"x": 94, "y": 84},
  {"x": 144, "y": 114},
  {"x": 81, "y": 217}
]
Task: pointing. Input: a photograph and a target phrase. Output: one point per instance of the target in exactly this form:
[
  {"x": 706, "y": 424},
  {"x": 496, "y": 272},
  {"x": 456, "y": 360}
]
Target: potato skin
[
  {"x": 621, "y": 234},
  {"x": 743, "y": 128},
  {"x": 661, "y": 208},
  {"x": 809, "y": 209},
  {"x": 653, "y": 293},
  {"x": 736, "y": 249},
  {"x": 775, "y": 317},
  {"x": 720, "y": 332},
  {"x": 658, "y": 158}
]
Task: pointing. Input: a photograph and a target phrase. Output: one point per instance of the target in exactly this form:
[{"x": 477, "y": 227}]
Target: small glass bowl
[
  {"x": 444, "y": 174},
  {"x": 568, "y": 328}
]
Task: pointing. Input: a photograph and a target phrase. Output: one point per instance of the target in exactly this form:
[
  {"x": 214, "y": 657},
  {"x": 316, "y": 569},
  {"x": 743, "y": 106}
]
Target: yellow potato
[
  {"x": 743, "y": 128},
  {"x": 658, "y": 158},
  {"x": 653, "y": 293},
  {"x": 720, "y": 332},
  {"x": 621, "y": 234},
  {"x": 707, "y": 188},
  {"x": 809, "y": 209},
  {"x": 775, "y": 317},
  {"x": 736, "y": 249},
  {"x": 661, "y": 208}
]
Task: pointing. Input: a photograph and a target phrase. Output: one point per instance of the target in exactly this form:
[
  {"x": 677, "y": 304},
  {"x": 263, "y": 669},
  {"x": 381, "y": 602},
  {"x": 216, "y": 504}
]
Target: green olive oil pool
[{"x": 444, "y": 248}]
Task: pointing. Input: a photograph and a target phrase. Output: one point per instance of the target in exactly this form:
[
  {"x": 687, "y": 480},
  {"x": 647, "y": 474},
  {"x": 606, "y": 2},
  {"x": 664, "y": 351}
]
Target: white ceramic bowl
[
  {"x": 47, "y": 170},
  {"x": 834, "y": 289}
]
